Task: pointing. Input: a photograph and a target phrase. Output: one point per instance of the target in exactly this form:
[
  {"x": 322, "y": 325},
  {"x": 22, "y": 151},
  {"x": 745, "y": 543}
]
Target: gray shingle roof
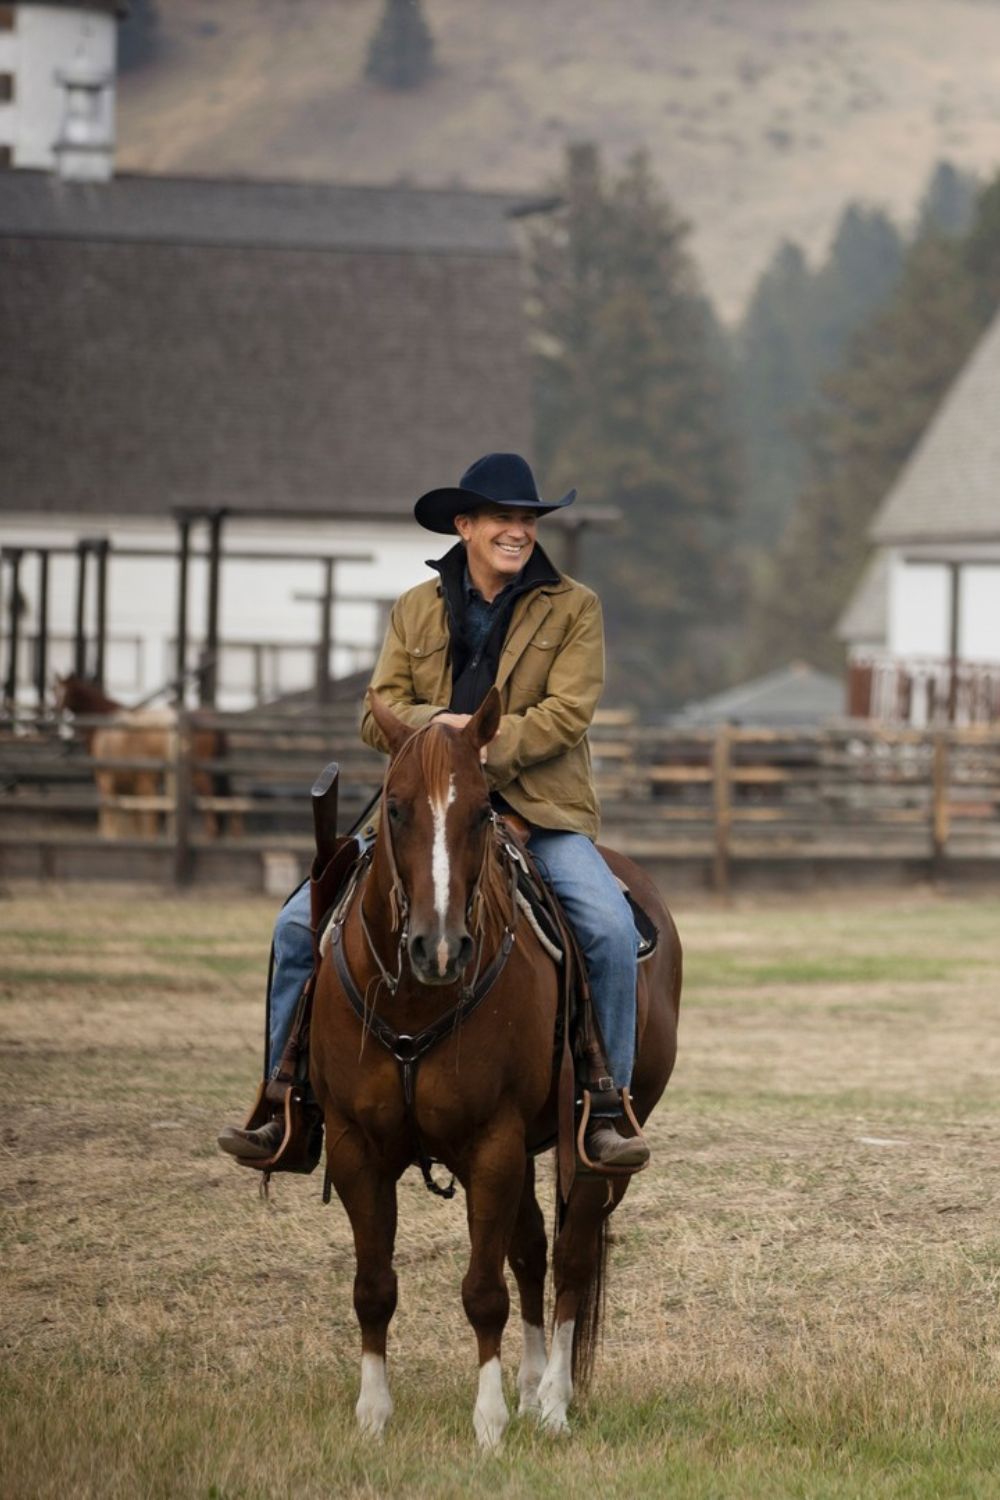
[
  {"x": 203, "y": 211},
  {"x": 949, "y": 489},
  {"x": 794, "y": 695},
  {"x": 141, "y": 372}
]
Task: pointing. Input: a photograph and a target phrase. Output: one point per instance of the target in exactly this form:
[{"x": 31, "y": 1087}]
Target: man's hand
[{"x": 459, "y": 721}]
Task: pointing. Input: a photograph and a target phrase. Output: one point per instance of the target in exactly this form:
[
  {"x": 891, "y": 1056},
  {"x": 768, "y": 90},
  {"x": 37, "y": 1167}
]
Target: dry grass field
[{"x": 804, "y": 1286}]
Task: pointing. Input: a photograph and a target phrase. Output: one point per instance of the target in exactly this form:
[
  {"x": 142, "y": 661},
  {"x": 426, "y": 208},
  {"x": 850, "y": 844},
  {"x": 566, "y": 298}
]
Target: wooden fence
[{"x": 721, "y": 804}]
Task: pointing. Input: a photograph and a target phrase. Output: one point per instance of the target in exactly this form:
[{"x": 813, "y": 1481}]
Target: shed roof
[
  {"x": 949, "y": 489},
  {"x": 272, "y": 348},
  {"x": 794, "y": 695}
]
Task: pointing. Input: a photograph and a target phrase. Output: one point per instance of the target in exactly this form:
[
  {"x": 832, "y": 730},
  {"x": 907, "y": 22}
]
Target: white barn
[{"x": 305, "y": 357}]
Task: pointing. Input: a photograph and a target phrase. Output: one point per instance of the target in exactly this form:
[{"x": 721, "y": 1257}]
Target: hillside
[{"x": 763, "y": 117}]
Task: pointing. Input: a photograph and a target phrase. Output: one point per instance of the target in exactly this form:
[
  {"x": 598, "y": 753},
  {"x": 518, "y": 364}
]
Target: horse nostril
[
  {"x": 418, "y": 951},
  {"x": 465, "y": 951}
]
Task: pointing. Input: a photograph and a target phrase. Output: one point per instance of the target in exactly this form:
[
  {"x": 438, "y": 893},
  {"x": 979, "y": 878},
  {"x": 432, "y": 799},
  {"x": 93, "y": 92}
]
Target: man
[{"x": 501, "y": 613}]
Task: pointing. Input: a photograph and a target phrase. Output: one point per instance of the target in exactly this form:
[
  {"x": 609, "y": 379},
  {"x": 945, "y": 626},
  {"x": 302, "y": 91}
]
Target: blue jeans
[
  {"x": 293, "y": 962},
  {"x": 599, "y": 913},
  {"x": 605, "y": 929}
]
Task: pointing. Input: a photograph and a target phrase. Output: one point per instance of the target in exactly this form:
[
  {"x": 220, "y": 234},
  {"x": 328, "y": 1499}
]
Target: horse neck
[{"x": 87, "y": 698}]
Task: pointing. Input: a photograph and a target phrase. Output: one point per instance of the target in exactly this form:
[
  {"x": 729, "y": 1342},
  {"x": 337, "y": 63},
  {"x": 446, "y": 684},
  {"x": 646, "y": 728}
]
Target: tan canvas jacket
[{"x": 550, "y": 678}]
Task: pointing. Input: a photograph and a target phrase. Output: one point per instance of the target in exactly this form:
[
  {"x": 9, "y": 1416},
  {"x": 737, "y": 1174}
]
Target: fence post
[
  {"x": 721, "y": 764},
  {"x": 183, "y": 788},
  {"x": 940, "y": 811}
]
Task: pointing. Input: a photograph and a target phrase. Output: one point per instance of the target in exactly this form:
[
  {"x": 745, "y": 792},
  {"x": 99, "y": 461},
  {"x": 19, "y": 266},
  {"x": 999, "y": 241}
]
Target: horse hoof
[
  {"x": 372, "y": 1420},
  {"x": 374, "y": 1406},
  {"x": 489, "y": 1433},
  {"x": 555, "y": 1423},
  {"x": 490, "y": 1415}
]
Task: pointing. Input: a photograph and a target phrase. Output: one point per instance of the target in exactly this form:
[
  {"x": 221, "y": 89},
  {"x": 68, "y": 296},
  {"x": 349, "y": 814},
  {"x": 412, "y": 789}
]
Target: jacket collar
[{"x": 537, "y": 573}]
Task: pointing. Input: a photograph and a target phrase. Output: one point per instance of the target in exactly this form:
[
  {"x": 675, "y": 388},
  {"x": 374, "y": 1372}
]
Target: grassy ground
[{"x": 804, "y": 1287}]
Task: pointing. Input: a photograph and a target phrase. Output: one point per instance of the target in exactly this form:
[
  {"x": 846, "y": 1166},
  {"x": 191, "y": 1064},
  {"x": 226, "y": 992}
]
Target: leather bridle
[{"x": 406, "y": 1047}]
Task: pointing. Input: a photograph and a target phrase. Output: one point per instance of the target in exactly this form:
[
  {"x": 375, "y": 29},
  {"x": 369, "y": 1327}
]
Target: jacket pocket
[
  {"x": 428, "y": 664},
  {"x": 532, "y": 668}
]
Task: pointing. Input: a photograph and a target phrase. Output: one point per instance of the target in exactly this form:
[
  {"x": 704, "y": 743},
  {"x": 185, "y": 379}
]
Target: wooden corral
[{"x": 709, "y": 807}]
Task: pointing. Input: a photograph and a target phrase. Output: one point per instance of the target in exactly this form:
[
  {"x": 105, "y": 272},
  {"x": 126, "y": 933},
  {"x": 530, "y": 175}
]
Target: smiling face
[{"x": 498, "y": 539}]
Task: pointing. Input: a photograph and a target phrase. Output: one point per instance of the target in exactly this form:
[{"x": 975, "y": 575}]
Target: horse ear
[
  {"x": 485, "y": 722},
  {"x": 393, "y": 729}
]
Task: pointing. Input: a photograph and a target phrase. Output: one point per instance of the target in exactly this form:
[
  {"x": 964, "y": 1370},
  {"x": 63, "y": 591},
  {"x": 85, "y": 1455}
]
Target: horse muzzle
[{"x": 439, "y": 958}]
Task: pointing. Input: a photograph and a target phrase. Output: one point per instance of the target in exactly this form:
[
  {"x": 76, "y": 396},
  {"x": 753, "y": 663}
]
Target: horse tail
[{"x": 590, "y": 1313}]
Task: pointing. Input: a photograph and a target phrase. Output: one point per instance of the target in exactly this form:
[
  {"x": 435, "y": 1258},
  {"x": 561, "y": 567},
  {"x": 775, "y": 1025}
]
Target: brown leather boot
[
  {"x": 253, "y": 1145},
  {"x": 606, "y": 1148}
]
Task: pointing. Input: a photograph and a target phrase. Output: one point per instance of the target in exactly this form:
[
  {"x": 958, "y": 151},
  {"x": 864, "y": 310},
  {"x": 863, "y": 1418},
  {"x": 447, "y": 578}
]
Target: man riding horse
[{"x": 500, "y": 613}]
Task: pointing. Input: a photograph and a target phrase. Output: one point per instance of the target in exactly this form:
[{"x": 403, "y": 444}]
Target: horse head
[
  {"x": 435, "y": 832},
  {"x": 80, "y": 695}
]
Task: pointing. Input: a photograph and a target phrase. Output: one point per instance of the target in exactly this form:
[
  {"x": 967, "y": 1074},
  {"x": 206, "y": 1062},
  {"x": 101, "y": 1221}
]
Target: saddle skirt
[{"x": 536, "y": 905}]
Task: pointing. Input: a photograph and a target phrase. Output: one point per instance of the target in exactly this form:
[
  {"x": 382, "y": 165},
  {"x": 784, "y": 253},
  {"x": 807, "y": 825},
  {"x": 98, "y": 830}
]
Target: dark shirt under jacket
[{"x": 478, "y": 629}]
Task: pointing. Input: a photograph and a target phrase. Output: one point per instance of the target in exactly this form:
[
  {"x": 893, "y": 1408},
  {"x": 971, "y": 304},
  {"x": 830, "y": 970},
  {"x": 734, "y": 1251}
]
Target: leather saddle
[{"x": 579, "y": 1052}]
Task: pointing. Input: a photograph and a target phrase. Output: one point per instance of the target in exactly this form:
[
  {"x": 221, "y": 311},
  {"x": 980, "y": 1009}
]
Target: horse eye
[
  {"x": 484, "y": 815},
  {"x": 395, "y": 815}
]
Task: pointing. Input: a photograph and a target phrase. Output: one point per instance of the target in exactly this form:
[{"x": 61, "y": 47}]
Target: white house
[
  {"x": 923, "y": 626},
  {"x": 46, "y": 48}
]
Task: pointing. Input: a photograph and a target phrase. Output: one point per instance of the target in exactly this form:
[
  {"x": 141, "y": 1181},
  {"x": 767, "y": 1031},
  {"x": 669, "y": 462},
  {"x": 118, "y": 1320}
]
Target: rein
[{"x": 406, "y": 1047}]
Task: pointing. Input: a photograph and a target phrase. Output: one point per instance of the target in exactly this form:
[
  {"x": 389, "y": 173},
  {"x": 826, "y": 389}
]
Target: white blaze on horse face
[
  {"x": 556, "y": 1390},
  {"x": 441, "y": 866},
  {"x": 374, "y": 1406},
  {"x": 490, "y": 1416}
]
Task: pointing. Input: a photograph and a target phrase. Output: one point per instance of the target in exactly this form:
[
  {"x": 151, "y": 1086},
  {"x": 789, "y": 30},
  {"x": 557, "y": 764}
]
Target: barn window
[{"x": 6, "y": 87}]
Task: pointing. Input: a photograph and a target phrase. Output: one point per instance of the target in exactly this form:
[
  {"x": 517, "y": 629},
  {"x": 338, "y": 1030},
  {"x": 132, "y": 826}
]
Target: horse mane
[{"x": 435, "y": 760}]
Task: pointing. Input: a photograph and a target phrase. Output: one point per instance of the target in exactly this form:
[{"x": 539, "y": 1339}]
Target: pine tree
[
  {"x": 876, "y": 408},
  {"x": 796, "y": 329},
  {"x": 949, "y": 202},
  {"x": 139, "y": 36},
  {"x": 401, "y": 51},
  {"x": 631, "y": 406}
]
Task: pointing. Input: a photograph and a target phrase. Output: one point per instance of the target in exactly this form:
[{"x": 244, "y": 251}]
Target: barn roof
[
  {"x": 270, "y": 347},
  {"x": 949, "y": 489},
  {"x": 292, "y": 215}
]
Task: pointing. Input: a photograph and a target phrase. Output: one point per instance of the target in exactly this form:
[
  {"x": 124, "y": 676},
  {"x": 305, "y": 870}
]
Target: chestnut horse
[
  {"x": 136, "y": 734},
  {"x": 427, "y": 929}
]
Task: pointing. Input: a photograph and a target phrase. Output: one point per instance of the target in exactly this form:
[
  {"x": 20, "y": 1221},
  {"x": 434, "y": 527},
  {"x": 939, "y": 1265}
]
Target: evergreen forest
[{"x": 746, "y": 462}]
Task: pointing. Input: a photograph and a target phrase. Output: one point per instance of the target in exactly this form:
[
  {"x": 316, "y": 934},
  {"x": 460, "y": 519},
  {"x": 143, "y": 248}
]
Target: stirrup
[
  {"x": 601, "y": 1169},
  {"x": 302, "y": 1139}
]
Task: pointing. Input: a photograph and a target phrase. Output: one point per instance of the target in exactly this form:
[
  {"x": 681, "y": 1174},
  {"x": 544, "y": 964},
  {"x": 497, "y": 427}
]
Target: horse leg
[
  {"x": 493, "y": 1186},
  {"x": 105, "y": 813},
  {"x": 147, "y": 784},
  {"x": 368, "y": 1192},
  {"x": 528, "y": 1258},
  {"x": 578, "y": 1269}
]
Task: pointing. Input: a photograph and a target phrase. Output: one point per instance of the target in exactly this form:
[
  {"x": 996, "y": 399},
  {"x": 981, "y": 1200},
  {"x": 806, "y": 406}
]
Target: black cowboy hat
[{"x": 497, "y": 479}]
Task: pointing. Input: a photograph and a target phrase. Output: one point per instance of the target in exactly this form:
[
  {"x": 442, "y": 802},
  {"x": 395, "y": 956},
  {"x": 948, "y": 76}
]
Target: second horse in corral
[{"x": 133, "y": 736}]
